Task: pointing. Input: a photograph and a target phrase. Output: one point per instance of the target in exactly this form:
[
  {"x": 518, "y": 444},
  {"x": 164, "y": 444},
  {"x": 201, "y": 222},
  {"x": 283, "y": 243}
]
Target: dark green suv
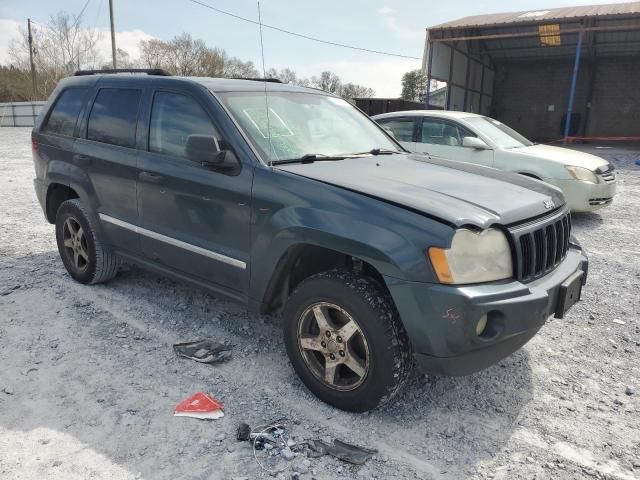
[{"x": 295, "y": 203}]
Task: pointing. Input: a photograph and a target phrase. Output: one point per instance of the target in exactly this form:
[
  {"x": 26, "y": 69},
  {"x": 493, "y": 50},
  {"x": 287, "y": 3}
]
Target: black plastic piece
[
  {"x": 243, "y": 433},
  {"x": 270, "y": 80},
  {"x": 148, "y": 71}
]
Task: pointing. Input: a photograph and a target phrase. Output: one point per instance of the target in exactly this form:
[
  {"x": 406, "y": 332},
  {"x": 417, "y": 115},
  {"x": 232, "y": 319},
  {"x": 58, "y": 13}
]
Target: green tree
[{"x": 414, "y": 85}]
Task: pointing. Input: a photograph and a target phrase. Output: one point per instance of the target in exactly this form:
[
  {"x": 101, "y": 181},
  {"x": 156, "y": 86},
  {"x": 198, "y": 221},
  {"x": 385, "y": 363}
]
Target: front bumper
[
  {"x": 441, "y": 319},
  {"x": 587, "y": 197}
]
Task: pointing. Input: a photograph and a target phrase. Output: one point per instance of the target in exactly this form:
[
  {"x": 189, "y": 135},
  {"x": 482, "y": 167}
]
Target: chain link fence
[{"x": 19, "y": 114}]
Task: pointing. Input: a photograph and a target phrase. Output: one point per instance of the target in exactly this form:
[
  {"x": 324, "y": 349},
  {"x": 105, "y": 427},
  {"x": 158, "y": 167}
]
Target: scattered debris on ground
[
  {"x": 204, "y": 351},
  {"x": 200, "y": 405}
]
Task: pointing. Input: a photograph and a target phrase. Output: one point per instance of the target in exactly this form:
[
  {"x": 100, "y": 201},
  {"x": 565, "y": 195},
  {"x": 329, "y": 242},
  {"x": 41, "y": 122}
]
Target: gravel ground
[{"x": 88, "y": 379}]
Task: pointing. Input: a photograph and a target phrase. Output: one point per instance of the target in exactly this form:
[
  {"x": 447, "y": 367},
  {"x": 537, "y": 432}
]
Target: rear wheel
[
  {"x": 345, "y": 340},
  {"x": 81, "y": 249}
]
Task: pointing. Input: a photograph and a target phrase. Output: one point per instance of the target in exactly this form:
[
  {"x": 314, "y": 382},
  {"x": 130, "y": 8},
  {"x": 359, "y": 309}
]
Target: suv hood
[
  {"x": 455, "y": 192},
  {"x": 564, "y": 156}
]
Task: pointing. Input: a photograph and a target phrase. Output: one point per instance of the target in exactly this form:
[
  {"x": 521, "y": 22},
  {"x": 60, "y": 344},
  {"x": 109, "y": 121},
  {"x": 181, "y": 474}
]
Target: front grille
[
  {"x": 600, "y": 201},
  {"x": 541, "y": 246}
]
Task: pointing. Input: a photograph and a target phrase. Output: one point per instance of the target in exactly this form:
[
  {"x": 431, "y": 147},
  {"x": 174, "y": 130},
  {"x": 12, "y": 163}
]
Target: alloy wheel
[
  {"x": 333, "y": 346},
  {"x": 75, "y": 244}
]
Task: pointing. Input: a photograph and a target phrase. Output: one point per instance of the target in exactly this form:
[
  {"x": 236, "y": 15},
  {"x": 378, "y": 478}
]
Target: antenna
[{"x": 264, "y": 76}]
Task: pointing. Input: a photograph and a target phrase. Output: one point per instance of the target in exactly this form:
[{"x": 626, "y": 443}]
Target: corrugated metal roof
[{"x": 529, "y": 16}]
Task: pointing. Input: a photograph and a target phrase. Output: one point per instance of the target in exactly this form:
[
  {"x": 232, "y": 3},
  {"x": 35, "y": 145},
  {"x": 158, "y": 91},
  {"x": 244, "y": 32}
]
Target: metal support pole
[
  {"x": 481, "y": 91},
  {"x": 33, "y": 67},
  {"x": 449, "y": 86},
  {"x": 427, "y": 95},
  {"x": 113, "y": 35},
  {"x": 572, "y": 91},
  {"x": 466, "y": 84}
]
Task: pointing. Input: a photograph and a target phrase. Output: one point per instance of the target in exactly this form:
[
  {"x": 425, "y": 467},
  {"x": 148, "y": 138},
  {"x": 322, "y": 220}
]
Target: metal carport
[{"x": 562, "y": 72}]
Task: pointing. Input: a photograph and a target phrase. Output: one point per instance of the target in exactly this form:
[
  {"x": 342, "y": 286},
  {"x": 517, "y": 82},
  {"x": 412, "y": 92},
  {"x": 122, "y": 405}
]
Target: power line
[
  {"x": 300, "y": 35},
  {"x": 79, "y": 17}
]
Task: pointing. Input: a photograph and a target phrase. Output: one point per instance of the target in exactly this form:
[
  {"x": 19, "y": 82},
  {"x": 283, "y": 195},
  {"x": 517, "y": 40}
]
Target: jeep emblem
[{"x": 549, "y": 204}]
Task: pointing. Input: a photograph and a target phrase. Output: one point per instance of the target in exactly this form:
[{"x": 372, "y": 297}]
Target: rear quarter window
[
  {"x": 63, "y": 116},
  {"x": 114, "y": 116}
]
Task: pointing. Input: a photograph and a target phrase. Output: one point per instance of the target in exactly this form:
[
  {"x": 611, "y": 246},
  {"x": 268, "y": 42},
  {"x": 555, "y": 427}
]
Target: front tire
[
  {"x": 81, "y": 249},
  {"x": 345, "y": 340}
]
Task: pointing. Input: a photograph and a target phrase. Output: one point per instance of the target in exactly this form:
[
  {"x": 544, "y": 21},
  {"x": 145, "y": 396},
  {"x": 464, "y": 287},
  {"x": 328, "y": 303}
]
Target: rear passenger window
[
  {"x": 174, "y": 118},
  {"x": 62, "y": 119},
  {"x": 114, "y": 116}
]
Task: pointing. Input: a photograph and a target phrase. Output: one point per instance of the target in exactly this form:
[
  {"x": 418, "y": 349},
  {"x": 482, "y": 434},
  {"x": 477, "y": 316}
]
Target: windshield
[
  {"x": 498, "y": 133},
  {"x": 303, "y": 124}
]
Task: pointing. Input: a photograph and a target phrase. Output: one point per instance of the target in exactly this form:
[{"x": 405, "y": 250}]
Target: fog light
[{"x": 481, "y": 325}]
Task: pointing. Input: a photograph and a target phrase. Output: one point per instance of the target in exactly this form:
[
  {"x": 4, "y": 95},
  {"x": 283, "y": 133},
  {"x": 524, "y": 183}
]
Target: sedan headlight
[
  {"x": 583, "y": 174},
  {"x": 473, "y": 257}
]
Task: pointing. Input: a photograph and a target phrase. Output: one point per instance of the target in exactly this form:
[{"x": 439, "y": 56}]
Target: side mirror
[
  {"x": 474, "y": 142},
  {"x": 208, "y": 152},
  {"x": 203, "y": 149}
]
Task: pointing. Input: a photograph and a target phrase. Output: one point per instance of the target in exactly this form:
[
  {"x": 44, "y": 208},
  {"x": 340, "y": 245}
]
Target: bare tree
[
  {"x": 183, "y": 55},
  {"x": 327, "y": 81},
  {"x": 60, "y": 47},
  {"x": 236, "y": 68},
  {"x": 353, "y": 90}
]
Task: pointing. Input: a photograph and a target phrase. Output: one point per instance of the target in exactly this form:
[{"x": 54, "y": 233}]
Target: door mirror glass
[
  {"x": 474, "y": 142},
  {"x": 203, "y": 149}
]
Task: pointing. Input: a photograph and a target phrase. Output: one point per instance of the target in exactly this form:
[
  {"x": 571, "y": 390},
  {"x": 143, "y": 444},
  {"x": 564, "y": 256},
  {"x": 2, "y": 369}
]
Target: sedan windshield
[
  {"x": 498, "y": 133},
  {"x": 298, "y": 124}
]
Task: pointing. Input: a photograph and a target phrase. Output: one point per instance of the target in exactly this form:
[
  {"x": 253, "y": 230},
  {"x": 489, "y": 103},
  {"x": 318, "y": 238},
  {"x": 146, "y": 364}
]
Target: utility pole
[
  {"x": 113, "y": 35},
  {"x": 33, "y": 67}
]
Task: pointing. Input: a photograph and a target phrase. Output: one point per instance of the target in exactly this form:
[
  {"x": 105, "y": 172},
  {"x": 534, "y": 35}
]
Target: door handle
[{"x": 150, "y": 177}]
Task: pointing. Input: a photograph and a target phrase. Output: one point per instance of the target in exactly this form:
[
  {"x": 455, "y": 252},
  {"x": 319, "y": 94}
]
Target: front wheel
[{"x": 345, "y": 340}]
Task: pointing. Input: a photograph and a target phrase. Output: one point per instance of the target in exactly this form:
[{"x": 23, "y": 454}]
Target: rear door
[
  {"x": 194, "y": 219},
  {"x": 56, "y": 135},
  {"x": 403, "y": 129},
  {"x": 443, "y": 138},
  {"x": 107, "y": 155}
]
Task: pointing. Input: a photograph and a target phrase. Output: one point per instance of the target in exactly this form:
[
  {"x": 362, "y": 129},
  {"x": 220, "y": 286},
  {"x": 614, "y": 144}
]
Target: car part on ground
[{"x": 204, "y": 351}]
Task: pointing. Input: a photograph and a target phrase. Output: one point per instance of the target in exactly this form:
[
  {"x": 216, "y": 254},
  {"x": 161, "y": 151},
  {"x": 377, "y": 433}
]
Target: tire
[
  {"x": 85, "y": 257},
  {"x": 379, "y": 349}
]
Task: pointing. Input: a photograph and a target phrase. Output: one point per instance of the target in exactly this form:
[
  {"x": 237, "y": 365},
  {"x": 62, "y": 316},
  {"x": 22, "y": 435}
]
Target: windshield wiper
[
  {"x": 382, "y": 151},
  {"x": 320, "y": 157},
  {"x": 309, "y": 158}
]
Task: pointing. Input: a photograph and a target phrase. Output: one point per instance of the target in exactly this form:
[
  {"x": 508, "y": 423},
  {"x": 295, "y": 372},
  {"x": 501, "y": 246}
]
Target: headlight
[
  {"x": 473, "y": 257},
  {"x": 583, "y": 174}
]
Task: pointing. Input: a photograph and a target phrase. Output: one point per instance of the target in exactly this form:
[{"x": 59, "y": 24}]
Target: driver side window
[
  {"x": 174, "y": 118},
  {"x": 436, "y": 131},
  {"x": 402, "y": 128}
]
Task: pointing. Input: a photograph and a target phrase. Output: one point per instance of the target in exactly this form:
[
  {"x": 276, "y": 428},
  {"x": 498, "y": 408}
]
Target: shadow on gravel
[
  {"x": 467, "y": 418},
  {"x": 586, "y": 219}
]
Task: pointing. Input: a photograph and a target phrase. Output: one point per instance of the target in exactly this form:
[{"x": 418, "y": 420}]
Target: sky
[{"x": 396, "y": 26}]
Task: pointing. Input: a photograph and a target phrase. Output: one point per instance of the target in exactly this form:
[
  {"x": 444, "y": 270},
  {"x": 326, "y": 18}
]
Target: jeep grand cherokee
[{"x": 295, "y": 203}]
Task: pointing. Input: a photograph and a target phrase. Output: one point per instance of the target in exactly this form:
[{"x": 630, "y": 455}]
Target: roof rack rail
[
  {"x": 148, "y": 71},
  {"x": 271, "y": 80}
]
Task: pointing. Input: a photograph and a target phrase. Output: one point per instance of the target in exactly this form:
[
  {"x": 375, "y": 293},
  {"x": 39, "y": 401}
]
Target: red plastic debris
[{"x": 200, "y": 405}]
